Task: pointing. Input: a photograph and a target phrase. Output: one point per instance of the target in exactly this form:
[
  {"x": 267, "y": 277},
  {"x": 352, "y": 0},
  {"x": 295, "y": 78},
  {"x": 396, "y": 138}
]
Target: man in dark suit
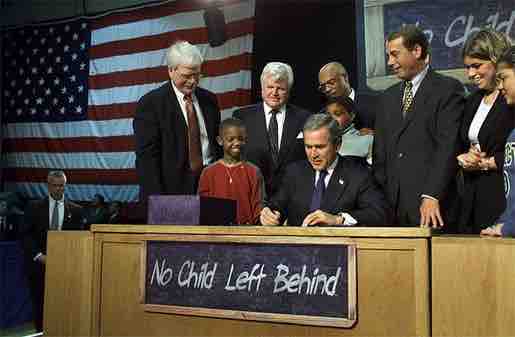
[
  {"x": 175, "y": 128},
  {"x": 274, "y": 127},
  {"x": 334, "y": 82},
  {"x": 52, "y": 213},
  {"x": 416, "y": 134},
  {"x": 326, "y": 189}
]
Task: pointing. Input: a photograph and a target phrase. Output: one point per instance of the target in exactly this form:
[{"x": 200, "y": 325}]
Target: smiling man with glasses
[
  {"x": 176, "y": 127},
  {"x": 333, "y": 82}
]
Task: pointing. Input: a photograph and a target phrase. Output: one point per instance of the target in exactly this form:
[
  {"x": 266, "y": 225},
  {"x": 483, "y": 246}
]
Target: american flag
[{"x": 70, "y": 90}]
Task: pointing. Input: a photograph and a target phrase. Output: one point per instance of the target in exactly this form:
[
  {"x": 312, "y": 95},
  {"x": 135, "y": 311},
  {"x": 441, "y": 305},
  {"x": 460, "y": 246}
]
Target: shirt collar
[
  {"x": 267, "y": 109},
  {"x": 331, "y": 167},
  {"x": 419, "y": 77},
  {"x": 352, "y": 94},
  {"x": 52, "y": 200},
  {"x": 179, "y": 94}
]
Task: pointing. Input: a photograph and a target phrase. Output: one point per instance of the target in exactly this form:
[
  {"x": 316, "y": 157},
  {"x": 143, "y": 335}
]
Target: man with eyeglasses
[
  {"x": 334, "y": 82},
  {"x": 175, "y": 128}
]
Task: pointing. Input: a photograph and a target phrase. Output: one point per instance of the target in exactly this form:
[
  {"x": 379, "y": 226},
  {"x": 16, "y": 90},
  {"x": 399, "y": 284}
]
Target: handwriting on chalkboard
[
  {"x": 196, "y": 275},
  {"x": 283, "y": 279}
]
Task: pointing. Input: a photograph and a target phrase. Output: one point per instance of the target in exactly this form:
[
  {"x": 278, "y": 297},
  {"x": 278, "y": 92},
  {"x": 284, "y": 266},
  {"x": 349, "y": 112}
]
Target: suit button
[{"x": 401, "y": 155}]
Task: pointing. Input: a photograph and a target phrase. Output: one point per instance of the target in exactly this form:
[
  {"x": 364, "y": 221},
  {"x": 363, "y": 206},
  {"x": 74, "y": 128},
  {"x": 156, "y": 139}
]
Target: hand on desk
[
  {"x": 319, "y": 217},
  {"x": 430, "y": 213},
  {"x": 269, "y": 217}
]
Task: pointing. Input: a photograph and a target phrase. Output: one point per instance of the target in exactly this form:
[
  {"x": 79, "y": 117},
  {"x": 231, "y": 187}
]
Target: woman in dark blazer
[{"x": 485, "y": 127}]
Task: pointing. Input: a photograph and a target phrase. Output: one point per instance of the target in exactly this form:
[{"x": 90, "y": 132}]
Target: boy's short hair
[
  {"x": 230, "y": 122},
  {"x": 344, "y": 101}
]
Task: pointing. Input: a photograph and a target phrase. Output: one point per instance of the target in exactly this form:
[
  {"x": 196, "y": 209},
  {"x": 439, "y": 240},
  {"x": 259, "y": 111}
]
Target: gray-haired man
[
  {"x": 176, "y": 127},
  {"x": 274, "y": 127}
]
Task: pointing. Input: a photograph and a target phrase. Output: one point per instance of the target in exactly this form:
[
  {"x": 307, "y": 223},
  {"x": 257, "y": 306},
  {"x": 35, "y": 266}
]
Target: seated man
[{"x": 342, "y": 191}]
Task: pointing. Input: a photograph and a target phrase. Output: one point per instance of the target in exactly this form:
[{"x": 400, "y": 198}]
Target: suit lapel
[
  {"x": 306, "y": 189},
  {"x": 174, "y": 115},
  {"x": 485, "y": 132},
  {"x": 423, "y": 92},
  {"x": 66, "y": 216},
  {"x": 289, "y": 135},
  {"x": 45, "y": 213},
  {"x": 207, "y": 113},
  {"x": 260, "y": 123},
  {"x": 335, "y": 188}
]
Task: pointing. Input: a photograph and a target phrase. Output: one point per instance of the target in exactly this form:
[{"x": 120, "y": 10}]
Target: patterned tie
[
  {"x": 273, "y": 136},
  {"x": 54, "y": 225},
  {"x": 194, "y": 147},
  {"x": 407, "y": 99},
  {"x": 318, "y": 192}
]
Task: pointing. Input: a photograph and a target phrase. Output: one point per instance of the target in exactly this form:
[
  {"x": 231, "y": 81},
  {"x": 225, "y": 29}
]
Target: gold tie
[
  {"x": 194, "y": 147},
  {"x": 407, "y": 99}
]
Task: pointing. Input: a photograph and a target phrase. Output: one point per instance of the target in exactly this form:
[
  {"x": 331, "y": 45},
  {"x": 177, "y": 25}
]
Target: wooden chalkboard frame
[{"x": 260, "y": 316}]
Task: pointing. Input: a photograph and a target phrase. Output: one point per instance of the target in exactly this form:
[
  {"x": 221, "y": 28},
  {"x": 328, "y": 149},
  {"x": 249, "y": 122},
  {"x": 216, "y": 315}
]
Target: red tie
[{"x": 194, "y": 147}]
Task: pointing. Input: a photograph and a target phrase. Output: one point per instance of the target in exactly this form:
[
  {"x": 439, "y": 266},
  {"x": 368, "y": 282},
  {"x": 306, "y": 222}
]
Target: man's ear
[
  {"x": 338, "y": 144},
  {"x": 417, "y": 51},
  {"x": 219, "y": 140}
]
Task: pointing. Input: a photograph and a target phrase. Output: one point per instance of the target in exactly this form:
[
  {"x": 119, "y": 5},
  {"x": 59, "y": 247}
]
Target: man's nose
[
  {"x": 471, "y": 72},
  {"x": 390, "y": 61}
]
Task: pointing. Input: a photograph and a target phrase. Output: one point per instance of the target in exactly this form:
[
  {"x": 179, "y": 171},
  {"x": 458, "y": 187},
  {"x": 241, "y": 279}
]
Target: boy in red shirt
[{"x": 233, "y": 178}]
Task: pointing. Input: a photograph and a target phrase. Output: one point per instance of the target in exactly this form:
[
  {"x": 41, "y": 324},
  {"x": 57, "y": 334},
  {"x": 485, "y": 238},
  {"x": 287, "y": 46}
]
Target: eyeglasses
[
  {"x": 192, "y": 76},
  {"x": 331, "y": 82}
]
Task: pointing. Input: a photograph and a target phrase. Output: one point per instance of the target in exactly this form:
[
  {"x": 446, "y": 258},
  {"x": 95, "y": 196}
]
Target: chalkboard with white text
[{"x": 291, "y": 279}]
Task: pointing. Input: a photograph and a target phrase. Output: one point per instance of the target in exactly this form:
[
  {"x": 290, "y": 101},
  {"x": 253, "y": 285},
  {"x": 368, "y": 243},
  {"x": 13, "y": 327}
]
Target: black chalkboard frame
[{"x": 314, "y": 320}]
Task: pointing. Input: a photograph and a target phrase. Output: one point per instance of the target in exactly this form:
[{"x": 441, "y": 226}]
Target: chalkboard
[
  {"x": 283, "y": 279},
  {"x": 448, "y": 24}
]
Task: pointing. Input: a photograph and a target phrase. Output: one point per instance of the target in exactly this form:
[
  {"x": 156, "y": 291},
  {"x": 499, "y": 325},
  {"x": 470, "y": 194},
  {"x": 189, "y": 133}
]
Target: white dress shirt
[
  {"x": 60, "y": 210},
  {"x": 478, "y": 120},
  {"x": 281, "y": 117},
  {"x": 348, "y": 220},
  {"x": 417, "y": 80}
]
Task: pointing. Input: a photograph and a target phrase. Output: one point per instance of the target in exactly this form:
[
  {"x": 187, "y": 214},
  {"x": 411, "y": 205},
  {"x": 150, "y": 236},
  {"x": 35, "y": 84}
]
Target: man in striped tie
[
  {"x": 51, "y": 213},
  {"x": 416, "y": 137},
  {"x": 175, "y": 128}
]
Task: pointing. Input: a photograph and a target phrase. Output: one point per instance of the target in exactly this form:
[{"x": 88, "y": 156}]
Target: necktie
[
  {"x": 194, "y": 147},
  {"x": 55, "y": 217},
  {"x": 407, "y": 99},
  {"x": 273, "y": 136},
  {"x": 318, "y": 192}
]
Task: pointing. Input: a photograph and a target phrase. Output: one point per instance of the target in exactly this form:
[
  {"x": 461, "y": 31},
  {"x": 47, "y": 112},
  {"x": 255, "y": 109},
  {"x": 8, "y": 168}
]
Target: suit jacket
[
  {"x": 35, "y": 241},
  {"x": 366, "y": 104},
  {"x": 351, "y": 189},
  {"x": 162, "y": 140},
  {"x": 258, "y": 150},
  {"x": 416, "y": 155},
  {"x": 483, "y": 192},
  {"x": 37, "y": 220}
]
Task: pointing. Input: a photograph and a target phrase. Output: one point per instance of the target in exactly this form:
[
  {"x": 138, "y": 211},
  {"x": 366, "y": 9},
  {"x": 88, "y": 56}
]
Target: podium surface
[
  {"x": 472, "y": 286},
  {"x": 392, "y": 281}
]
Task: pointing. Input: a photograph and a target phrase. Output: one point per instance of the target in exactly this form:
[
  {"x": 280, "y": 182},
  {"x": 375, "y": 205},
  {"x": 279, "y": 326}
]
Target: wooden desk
[
  {"x": 392, "y": 282},
  {"x": 473, "y": 287}
]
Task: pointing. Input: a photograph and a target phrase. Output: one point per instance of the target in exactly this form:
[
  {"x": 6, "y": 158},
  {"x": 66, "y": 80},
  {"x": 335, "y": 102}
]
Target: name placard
[{"x": 298, "y": 283}]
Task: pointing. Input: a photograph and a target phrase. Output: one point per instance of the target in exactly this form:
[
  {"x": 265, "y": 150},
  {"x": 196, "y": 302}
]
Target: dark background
[{"x": 306, "y": 34}]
